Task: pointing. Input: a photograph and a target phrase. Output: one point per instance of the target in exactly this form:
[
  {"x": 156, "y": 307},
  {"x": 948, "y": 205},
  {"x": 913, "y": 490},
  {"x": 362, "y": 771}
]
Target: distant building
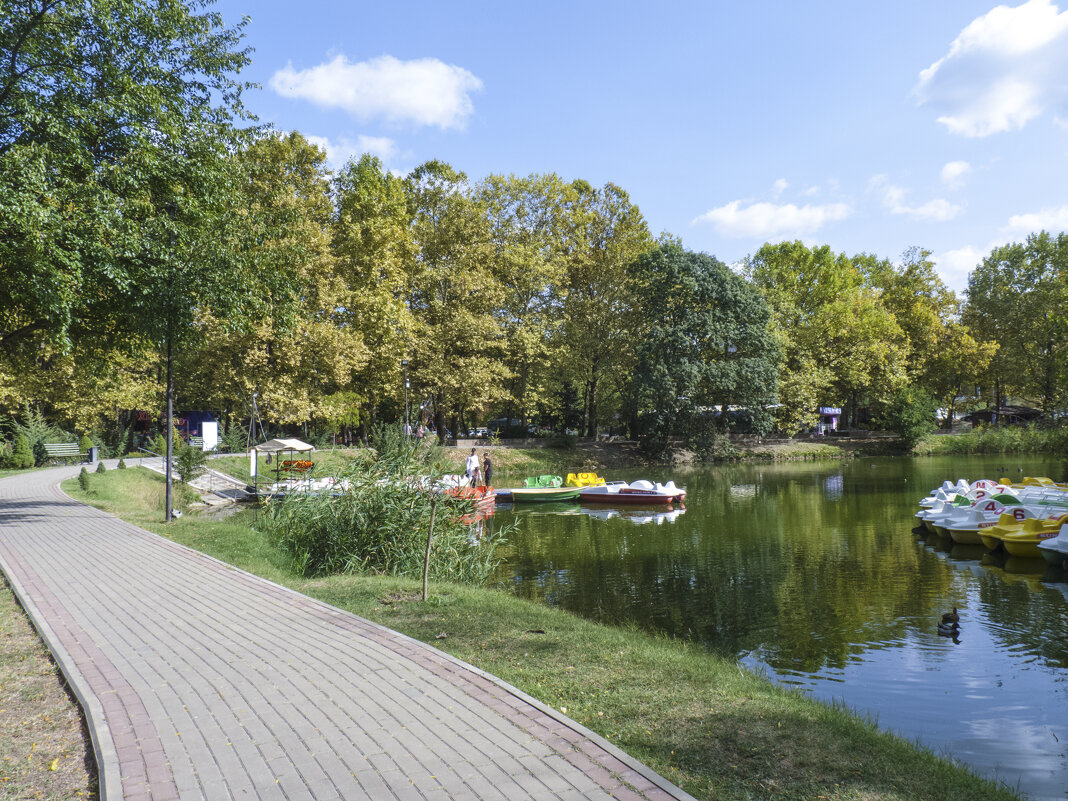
[{"x": 829, "y": 417}]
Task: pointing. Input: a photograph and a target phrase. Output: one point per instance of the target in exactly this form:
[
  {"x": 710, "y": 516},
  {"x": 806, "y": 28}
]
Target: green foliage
[
  {"x": 711, "y": 445},
  {"x": 159, "y": 444},
  {"x": 22, "y": 456},
  {"x": 85, "y": 443},
  {"x": 604, "y": 233},
  {"x": 1016, "y": 298},
  {"x": 122, "y": 464},
  {"x": 458, "y": 346},
  {"x": 83, "y": 480},
  {"x": 911, "y": 415},
  {"x": 841, "y": 345},
  {"x": 100, "y": 467},
  {"x": 563, "y": 441},
  {"x": 1000, "y": 439},
  {"x": 105, "y": 109},
  {"x": 234, "y": 439},
  {"x": 378, "y": 518},
  {"x": 190, "y": 462},
  {"x": 706, "y": 343},
  {"x": 37, "y": 431}
]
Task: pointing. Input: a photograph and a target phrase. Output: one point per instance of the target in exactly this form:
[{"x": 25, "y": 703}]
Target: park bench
[{"x": 65, "y": 450}]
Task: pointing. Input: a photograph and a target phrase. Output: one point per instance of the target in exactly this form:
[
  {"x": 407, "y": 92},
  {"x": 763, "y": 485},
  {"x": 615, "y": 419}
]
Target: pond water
[{"x": 812, "y": 574}]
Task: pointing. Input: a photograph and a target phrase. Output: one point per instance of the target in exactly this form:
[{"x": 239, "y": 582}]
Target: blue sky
[{"x": 867, "y": 127}]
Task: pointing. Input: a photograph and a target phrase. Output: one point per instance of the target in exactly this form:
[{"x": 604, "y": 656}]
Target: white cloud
[
  {"x": 419, "y": 92},
  {"x": 953, "y": 173},
  {"x": 1003, "y": 70},
  {"x": 1054, "y": 220},
  {"x": 937, "y": 210},
  {"x": 340, "y": 151},
  {"x": 779, "y": 187},
  {"x": 771, "y": 220},
  {"x": 954, "y": 266}
]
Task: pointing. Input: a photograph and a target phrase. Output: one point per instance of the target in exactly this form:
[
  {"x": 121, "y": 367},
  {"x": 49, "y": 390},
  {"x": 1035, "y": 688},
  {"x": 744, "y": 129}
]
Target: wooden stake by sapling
[{"x": 426, "y": 558}]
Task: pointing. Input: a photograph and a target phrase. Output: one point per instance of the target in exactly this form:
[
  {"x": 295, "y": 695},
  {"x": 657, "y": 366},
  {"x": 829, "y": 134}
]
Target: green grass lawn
[{"x": 708, "y": 725}]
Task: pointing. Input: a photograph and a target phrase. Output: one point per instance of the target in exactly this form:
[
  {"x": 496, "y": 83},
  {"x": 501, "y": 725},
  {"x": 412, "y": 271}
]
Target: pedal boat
[
  {"x": 583, "y": 480},
  {"x": 539, "y": 489},
  {"x": 1025, "y": 541},
  {"x": 1055, "y": 549},
  {"x": 636, "y": 492},
  {"x": 965, "y": 527}
]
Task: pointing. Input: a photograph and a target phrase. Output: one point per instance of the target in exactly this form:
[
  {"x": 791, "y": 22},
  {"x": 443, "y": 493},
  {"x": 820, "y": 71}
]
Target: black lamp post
[
  {"x": 172, "y": 212},
  {"x": 407, "y": 427}
]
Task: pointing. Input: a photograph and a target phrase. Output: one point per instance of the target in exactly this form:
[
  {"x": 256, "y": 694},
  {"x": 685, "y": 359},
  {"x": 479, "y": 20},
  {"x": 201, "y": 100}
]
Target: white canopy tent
[{"x": 276, "y": 446}]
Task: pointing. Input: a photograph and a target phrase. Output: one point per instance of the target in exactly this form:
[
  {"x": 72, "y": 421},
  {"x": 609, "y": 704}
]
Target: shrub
[
  {"x": 563, "y": 441},
  {"x": 1000, "y": 439},
  {"x": 122, "y": 464},
  {"x": 911, "y": 415},
  {"x": 22, "y": 456},
  {"x": 85, "y": 444},
  {"x": 235, "y": 440},
  {"x": 100, "y": 467},
  {"x": 83, "y": 480},
  {"x": 191, "y": 462},
  {"x": 710, "y": 445}
]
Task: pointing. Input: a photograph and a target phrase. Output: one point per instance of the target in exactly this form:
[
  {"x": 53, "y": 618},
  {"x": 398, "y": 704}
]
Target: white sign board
[
  {"x": 210, "y": 432},
  {"x": 253, "y": 461}
]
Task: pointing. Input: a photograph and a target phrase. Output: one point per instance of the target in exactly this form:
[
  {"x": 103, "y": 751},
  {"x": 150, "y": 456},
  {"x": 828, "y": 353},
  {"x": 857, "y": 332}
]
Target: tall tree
[
  {"x": 374, "y": 246},
  {"x": 294, "y": 363},
  {"x": 105, "y": 110},
  {"x": 122, "y": 210},
  {"x": 526, "y": 223},
  {"x": 605, "y": 232},
  {"x": 706, "y": 342},
  {"x": 943, "y": 356},
  {"x": 455, "y": 297},
  {"x": 840, "y": 345},
  {"x": 1016, "y": 297}
]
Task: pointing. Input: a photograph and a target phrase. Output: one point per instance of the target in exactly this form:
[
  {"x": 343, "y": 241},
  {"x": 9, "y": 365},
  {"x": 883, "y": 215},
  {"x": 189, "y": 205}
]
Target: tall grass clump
[
  {"x": 377, "y": 517},
  {"x": 1033, "y": 438}
]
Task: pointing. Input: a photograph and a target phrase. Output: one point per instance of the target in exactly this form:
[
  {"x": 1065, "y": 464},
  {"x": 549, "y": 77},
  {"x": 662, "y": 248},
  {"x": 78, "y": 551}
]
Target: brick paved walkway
[{"x": 200, "y": 681}]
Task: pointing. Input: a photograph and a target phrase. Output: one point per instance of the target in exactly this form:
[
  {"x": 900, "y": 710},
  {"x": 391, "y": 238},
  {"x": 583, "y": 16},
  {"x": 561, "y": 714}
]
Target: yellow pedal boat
[
  {"x": 584, "y": 480},
  {"x": 1025, "y": 541}
]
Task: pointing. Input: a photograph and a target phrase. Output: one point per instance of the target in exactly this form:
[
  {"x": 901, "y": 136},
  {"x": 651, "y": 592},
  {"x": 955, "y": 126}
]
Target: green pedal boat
[{"x": 544, "y": 488}]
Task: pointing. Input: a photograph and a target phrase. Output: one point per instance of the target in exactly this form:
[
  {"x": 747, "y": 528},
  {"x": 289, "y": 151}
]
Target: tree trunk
[{"x": 591, "y": 407}]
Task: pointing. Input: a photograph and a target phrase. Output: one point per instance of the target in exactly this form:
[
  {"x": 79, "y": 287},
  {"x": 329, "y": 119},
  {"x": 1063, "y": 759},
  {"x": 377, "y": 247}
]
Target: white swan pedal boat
[{"x": 636, "y": 492}]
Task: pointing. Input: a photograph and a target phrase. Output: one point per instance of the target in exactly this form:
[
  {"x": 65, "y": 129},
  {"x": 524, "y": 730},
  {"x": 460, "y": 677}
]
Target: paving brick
[{"x": 217, "y": 684}]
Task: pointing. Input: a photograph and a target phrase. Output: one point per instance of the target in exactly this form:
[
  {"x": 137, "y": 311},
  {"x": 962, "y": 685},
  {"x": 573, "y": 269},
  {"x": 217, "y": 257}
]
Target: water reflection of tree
[
  {"x": 782, "y": 558},
  {"x": 1025, "y": 612}
]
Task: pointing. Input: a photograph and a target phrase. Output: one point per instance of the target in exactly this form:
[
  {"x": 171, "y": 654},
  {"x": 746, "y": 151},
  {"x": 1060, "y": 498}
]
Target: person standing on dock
[
  {"x": 472, "y": 467},
  {"x": 487, "y": 469}
]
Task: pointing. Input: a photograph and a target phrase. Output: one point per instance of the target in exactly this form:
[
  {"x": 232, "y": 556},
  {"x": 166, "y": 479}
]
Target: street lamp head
[{"x": 404, "y": 362}]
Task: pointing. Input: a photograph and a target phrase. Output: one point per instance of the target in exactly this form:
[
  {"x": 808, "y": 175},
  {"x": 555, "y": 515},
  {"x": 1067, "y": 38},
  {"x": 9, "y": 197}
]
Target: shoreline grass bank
[{"x": 704, "y": 723}]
